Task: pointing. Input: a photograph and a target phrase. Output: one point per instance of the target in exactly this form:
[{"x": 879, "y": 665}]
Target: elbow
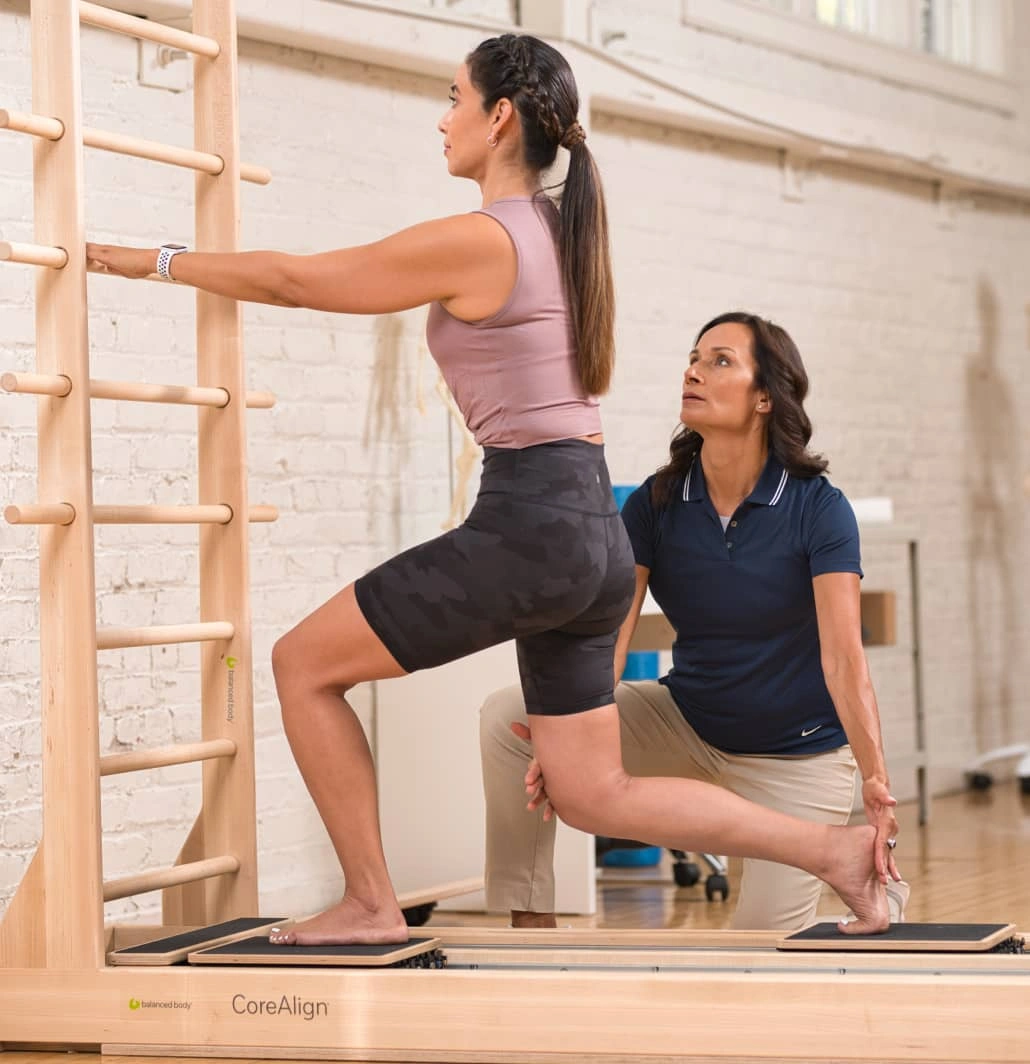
[
  {"x": 846, "y": 672},
  {"x": 287, "y": 287}
]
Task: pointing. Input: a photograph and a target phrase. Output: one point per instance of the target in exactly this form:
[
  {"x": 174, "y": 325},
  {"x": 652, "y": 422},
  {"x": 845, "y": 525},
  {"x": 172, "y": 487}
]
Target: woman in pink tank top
[{"x": 521, "y": 323}]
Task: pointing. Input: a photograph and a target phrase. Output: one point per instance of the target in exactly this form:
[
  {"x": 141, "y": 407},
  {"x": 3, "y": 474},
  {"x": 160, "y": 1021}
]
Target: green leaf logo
[
  {"x": 231, "y": 662},
  {"x": 133, "y": 1003}
]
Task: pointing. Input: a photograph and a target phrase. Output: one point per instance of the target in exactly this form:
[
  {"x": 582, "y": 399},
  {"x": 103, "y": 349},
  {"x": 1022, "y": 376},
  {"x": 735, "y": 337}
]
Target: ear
[
  {"x": 502, "y": 117},
  {"x": 764, "y": 404}
]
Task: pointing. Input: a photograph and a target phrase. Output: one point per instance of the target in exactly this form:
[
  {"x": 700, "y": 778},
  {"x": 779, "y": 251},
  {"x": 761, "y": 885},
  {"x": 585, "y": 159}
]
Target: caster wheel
[
  {"x": 1024, "y": 785},
  {"x": 686, "y": 873},
  {"x": 417, "y": 915},
  {"x": 981, "y": 781},
  {"x": 717, "y": 885}
]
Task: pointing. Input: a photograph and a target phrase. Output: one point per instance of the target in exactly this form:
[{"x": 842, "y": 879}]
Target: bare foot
[
  {"x": 347, "y": 924},
  {"x": 852, "y": 874},
  {"x": 527, "y": 919}
]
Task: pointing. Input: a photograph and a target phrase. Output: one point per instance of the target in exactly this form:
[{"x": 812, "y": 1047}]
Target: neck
[
  {"x": 506, "y": 179},
  {"x": 732, "y": 466}
]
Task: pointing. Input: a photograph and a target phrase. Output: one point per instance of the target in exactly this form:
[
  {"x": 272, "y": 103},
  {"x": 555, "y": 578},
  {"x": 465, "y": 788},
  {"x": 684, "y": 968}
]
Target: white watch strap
[{"x": 164, "y": 260}]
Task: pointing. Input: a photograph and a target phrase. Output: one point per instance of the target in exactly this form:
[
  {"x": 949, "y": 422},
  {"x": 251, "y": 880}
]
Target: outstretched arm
[
  {"x": 846, "y": 671},
  {"x": 467, "y": 258}
]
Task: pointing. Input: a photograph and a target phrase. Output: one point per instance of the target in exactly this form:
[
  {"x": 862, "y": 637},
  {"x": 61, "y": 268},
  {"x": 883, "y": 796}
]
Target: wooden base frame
[{"x": 607, "y": 996}]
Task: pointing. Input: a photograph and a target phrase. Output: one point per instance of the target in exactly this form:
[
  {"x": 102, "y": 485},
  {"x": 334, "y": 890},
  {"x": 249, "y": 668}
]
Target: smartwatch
[{"x": 165, "y": 256}]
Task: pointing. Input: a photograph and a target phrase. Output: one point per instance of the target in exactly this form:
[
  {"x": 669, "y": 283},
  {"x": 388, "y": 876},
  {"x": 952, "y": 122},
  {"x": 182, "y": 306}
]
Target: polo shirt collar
[{"x": 767, "y": 492}]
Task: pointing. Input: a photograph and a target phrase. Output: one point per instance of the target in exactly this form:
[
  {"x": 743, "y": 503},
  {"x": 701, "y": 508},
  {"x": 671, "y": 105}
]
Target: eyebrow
[{"x": 729, "y": 349}]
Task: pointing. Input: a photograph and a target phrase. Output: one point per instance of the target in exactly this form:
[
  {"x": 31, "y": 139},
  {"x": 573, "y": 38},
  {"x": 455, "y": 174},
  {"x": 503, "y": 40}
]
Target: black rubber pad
[
  {"x": 903, "y": 933},
  {"x": 903, "y": 937},
  {"x": 259, "y": 946},
  {"x": 189, "y": 939}
]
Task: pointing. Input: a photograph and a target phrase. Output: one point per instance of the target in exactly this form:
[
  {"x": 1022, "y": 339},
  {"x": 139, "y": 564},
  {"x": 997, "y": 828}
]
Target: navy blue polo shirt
[{"x": 746, "y": 670}]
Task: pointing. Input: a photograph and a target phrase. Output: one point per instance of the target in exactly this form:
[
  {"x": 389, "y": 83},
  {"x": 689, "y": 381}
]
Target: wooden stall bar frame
[{"x": 131, "y": 26}]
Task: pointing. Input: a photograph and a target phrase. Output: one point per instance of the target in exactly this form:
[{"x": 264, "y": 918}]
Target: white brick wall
[{"x": 914, "y": 334}]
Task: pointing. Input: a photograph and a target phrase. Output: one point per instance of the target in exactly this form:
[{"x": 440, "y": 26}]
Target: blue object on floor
[
  {"x": 642, "y": 857},
  {"x": 641, "y": 665},
  {"x": 622, "y": 492}
]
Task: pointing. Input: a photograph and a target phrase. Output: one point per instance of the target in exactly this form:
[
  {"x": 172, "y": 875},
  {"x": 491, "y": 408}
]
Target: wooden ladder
[{"x": 56, "y": 918}]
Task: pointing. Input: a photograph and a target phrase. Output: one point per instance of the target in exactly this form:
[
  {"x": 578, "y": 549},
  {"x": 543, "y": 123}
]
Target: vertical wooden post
[
  {"x": 71, "y": 847},
  {"x": 227, "y": 822}
]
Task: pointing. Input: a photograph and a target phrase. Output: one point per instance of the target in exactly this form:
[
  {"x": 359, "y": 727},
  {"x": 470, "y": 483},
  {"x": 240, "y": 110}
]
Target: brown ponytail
[{"x": 539, "y": 82}]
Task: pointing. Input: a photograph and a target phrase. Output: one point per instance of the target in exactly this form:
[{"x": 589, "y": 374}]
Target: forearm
[
  {"x": 853, "y": 698},
  {"x": 249, "y": 276}
]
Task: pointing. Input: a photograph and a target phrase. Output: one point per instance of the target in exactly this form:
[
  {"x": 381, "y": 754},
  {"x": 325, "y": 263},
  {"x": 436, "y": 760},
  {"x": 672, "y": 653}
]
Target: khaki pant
[{"x": 657, "y": 741}]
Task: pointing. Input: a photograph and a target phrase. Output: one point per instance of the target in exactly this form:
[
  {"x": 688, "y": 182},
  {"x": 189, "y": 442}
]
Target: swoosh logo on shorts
[{"x": 809, "y": 731}]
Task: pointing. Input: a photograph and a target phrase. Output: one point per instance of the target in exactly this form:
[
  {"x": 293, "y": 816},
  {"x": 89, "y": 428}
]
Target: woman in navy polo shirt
[{"x": 753, "y": 556}]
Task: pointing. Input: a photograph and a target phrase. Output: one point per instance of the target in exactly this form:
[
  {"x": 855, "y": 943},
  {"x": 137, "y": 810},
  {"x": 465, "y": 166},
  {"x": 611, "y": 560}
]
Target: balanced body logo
[
  {"x": 230, "y": 696},
  {"x": 287, "y": 1005},
  {"x": 135, "y": 1004}
]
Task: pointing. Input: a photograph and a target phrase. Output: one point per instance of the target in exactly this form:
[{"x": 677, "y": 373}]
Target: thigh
[
  {"x": 334, "y": 647},
  {"x": 656, "y": 740},
  {"x": 820, "y": 788}
]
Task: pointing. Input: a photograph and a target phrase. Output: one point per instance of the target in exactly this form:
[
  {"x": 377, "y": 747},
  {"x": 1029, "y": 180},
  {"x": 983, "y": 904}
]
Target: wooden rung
[
  {"x": 158, "y": 393},
  {"x": 161, "y": 634},
  {"x": 260, "y": 514},
  {"x": 34, "y": 125},
  {"x": 33, "y": 254},
  {"x": 59, "y": 385},
  {"x": 55, "y": 513},
  {"x": 169, "y": 877},
  {"x": 137, "y": 147},
  {"x": 157, "y": 152},
  {"x": 163, "y": 756},
  {"x": 37, "y": 383},
  {"x": 106, "y": 19},
  {"x": 210, "y": 514}
]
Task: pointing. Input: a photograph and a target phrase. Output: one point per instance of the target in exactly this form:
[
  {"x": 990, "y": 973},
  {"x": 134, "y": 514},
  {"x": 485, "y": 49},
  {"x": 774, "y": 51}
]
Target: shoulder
[
  {"x": 473, "y": 234},
  {"x": 640, "y": 498},
  {"x": 824, "y": 509}
]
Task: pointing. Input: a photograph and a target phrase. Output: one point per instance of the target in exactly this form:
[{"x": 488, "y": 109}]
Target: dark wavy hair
[
  {"x": 538, "y": 80},
  {"x": 778, "y": 371}
]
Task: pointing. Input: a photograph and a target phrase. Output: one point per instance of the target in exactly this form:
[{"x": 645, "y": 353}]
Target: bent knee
[
  {"x": 496, "y": 715},
  {"x": 588, "y": 802},
  {"x": 299, "y": 667}
]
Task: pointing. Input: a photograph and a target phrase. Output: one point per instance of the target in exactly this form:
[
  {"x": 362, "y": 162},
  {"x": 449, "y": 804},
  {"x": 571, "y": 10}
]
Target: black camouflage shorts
[{"x": 543, "y": 559}]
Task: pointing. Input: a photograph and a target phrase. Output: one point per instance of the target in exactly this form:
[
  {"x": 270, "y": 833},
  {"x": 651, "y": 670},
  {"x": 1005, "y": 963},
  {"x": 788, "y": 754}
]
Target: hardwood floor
[{"x": 971, "y": 863}]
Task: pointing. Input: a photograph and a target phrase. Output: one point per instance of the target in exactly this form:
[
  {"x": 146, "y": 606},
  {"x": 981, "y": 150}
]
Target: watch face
[{"x": 174, "y": 247}]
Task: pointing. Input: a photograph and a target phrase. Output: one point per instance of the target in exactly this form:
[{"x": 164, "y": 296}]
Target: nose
[{"x": 693, "y": 372}]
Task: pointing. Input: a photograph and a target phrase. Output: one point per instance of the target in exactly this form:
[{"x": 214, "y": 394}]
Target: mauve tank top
[{"x": 514, "y": 375}]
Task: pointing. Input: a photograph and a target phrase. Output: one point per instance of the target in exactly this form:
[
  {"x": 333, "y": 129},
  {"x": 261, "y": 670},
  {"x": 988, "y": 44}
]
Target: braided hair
[{"x": 538, "y": 81}]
